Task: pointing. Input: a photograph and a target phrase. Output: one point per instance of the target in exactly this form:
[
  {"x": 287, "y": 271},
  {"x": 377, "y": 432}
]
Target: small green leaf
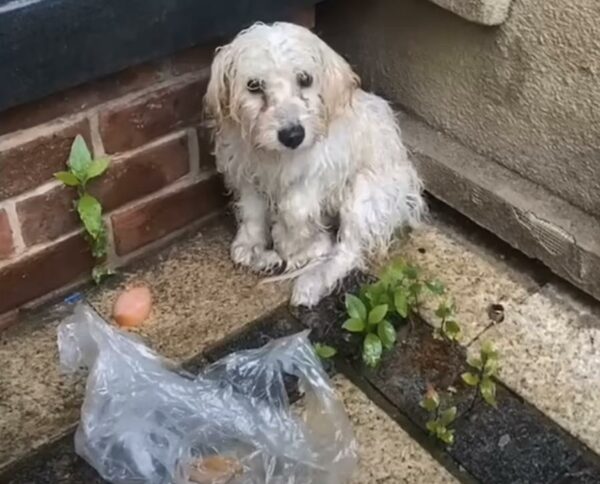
[
  {"x": 475, "y": 363},
  {"x": 67, "y": 178},
  {"x": 443, "y": 311},
  {"x": 393, "y": 273},
  {"x": 488, "y": 391},
  {"x": 90, "y": 213},
  {"x": 487, "y": 348},
  {"x": 80, "y": 159},
  {"x": 415, "y": 289},
  {"x": 355, "y": 307},
  {"x": 491, "y": 367},
  {"x": 401, "y": 302},
  {"x": 431, "y": 401},
  {"x": 377, "y": 314},
  {"x": 97, "y": 168},
  {"x": 325, "y": 351},
  {"x": 470, "y": 379},
  {"x": 354, "y": 325},
  {"x": 487, "y": 351},
  {"x": 411, "y": 272},
  {"x": 376, "y": 294},
  {"x": 432, "y": 426},
  {"x": 448, "y": 416},
  {"x": 436, "y": 287},
  {"x": 387, "y": 334},
  {"x": 452, "y": 330},
  {"x": 446, "y": 436},
  {"x": 372, "y": 349}
]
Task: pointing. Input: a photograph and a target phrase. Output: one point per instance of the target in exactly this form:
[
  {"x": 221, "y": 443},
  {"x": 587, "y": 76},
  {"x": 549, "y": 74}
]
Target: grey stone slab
[
  {"x": 550, "y": 356},
  {"x": 513, "y": 444},
  {"x": 584, "y": 471}
]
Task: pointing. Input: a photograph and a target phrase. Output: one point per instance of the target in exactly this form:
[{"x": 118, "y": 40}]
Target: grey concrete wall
[{"x": 525, "y": 94}]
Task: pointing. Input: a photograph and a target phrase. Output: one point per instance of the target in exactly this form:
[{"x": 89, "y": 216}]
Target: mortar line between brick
[
  {"x": 97, "y": 143},
  {"x": 17, "y": 236},
  {"x": 193, "y": 152}
]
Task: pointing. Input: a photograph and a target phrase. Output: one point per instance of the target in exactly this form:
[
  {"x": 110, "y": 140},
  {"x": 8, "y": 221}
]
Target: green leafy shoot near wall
[{"x": 81, "y": 169}]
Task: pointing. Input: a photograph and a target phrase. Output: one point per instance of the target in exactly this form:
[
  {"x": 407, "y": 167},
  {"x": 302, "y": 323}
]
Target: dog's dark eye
[
  {"x": 254, "y": 85},
  {"x": 304, "y": 79}
]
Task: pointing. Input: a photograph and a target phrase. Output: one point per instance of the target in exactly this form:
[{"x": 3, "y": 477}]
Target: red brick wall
[{"x": 161, "y": 179}]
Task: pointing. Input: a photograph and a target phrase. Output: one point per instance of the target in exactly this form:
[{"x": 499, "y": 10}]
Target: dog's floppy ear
[
  {"x": 218, "y": 92},
  {"x": 339, "y": 81}
]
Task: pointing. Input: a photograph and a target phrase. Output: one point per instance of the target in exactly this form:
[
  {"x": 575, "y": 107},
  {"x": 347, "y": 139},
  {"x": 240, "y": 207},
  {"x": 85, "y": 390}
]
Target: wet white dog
[{"x": 304, "y": 150}]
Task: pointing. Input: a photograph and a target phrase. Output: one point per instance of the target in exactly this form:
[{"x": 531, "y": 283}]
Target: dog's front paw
[
  {"x": 308, "y": 289},
  {"x": 255, "y": 257},
  {"x": 318, "y": 248}
]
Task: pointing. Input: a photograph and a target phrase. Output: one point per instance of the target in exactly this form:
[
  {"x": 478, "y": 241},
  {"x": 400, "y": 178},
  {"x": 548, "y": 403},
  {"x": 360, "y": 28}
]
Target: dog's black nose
[{"x": 292, "y": 136}]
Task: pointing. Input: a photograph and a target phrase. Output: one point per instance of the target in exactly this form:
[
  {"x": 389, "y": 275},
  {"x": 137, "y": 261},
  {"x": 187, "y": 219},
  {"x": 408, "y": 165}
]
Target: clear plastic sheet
[{"x": 144, "y": 421}]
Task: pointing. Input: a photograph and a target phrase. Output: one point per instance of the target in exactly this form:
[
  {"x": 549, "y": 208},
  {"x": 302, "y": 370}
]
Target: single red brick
[
  {"x": 42, "y": 272},
  {"x": 135, "y": 122},
  {"x": 6, "y": 236},
  {"x": 49, "y": 215},
  {"x": 29, "y": 164},
  {"x": 152, "y": 220}
]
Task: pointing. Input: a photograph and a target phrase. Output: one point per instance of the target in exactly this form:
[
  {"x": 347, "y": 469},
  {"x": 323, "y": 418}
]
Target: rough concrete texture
[
  {"x": 485, "y": 12},
  {"x": 550, "y": 354},
  {"x": 473, "y": 279},
  {"x": 548, "y": 341},
  {"x": 522, "y": 213},
  {"x": 386, "y": 452},
  {"x": 199, "y": 298},
  {"x": 524, "y": 94}
]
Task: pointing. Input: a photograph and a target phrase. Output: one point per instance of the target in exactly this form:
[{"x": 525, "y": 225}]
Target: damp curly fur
[{"x": 350, "y": 169}]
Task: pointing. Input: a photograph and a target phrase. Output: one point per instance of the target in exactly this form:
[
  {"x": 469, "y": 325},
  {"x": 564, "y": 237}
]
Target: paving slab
[
  {"x": 550, "y": 354},
  {"x": 199, "y": 298},
  {"x": 474, "y": 279},
  {"x": 387, "y": 454},
  {"x": 513, "y": 444}
]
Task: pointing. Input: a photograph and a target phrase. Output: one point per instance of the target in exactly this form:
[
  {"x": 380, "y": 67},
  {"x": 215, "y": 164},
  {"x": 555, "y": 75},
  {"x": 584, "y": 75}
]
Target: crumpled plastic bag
[{"x": 145, "y": 421}]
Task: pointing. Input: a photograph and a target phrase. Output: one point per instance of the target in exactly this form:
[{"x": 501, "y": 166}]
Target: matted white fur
[{"x": 344, "y": 160}]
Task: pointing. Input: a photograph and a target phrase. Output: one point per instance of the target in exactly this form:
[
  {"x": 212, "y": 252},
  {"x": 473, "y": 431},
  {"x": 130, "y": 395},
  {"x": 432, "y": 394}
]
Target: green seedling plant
[
  {"x": 449, "y": 328},
  {"x": 81, "y": 169},
  {"x": 483, "y": 371},
  {"x": 395, "y": 296},
  {"x": 440, "y": 421},
  {"x": 325, "y": 352},
  {"x": 370, "y": 320}
]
